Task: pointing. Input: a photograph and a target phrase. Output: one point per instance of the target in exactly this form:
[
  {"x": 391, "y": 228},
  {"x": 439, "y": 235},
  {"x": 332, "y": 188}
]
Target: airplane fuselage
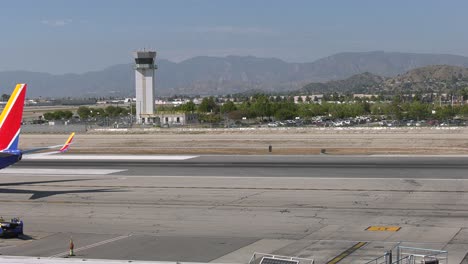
[{"x": 9, "y": 157}]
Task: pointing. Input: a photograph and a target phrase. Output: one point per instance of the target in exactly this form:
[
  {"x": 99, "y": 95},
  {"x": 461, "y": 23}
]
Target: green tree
[
  {"x": 83, "y": 112},
  {"x": 382, "y": 109},
  {"x": 99, "y": 112},
  {"x": 67, "y": 114},
  {"x": 366, "y": 107},
  {"x": 310, "y": 110},
  {"x": 396, "y": 110},
  {"x": 49, "y": 116},
  {"x": 417, "y": 97},
  {"x": 446, "y": 112},
  {"x": 261, "y": 107},
  {"x": 58, "y": 115},
  {"x": 111, "y": 111},
  {"x": 284, "y": 110},
  {"x": 188, "y": 107},
  {"x": 346, "y": 110},
  {"x": 283, "y": 114},
  {"x": 246, "y": 109},
  {"x": 228, "y": 107},
  {"x": 335, "y": 97},
  {"x": 114, "y": 111},
  {"x": 418, "y": 110},
  {"x": 237, "y": 114},
  {"x": 209, "y": 118},
  {"x": 208, "y": 105}
]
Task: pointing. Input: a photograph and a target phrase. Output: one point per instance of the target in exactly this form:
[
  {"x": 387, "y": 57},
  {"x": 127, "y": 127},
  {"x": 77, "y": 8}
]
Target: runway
[
  {"x": 222, "y": 209},
  {"x": 452, "y": 167}
]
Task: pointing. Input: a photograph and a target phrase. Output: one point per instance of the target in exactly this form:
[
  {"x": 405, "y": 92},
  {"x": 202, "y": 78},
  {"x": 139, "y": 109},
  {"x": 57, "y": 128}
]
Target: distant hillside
[
  {"x": 343, "y": 65},
  {"x": 231, "y": 74},
  {"x": 436, "y": 78},
  {"x": 113, "y": 81},
  {"x": 443, "y": 78},
  {"x": 359, "y": 83}
]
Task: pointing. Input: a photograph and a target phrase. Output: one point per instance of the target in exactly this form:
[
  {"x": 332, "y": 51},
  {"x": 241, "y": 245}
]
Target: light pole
[{"x": 131, "y": 113}]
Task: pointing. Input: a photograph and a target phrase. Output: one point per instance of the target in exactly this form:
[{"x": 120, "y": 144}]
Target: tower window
[{"x": 144, "y": 61}]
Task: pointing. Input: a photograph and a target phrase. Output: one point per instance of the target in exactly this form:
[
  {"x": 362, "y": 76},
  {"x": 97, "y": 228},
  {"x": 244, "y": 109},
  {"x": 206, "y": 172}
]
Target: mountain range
[
  {"x": 433, "y": 78},
  {"x": 225, "y": 75}
]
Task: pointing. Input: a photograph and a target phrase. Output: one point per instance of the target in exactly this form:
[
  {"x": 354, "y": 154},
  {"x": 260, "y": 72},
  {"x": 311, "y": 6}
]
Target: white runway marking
[
  {"x": 91, "y": 246},
  {"x": 59, "y": 171},
  {"x": 106, "y": 157},
  {"x": 287, "y": 177},
  {"x": 415, "y": 156}
]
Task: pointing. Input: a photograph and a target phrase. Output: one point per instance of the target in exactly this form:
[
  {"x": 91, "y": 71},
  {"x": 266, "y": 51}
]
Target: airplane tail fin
[
  {"x": 10, "y": 119},
  {"x": 67, "y": 144}
]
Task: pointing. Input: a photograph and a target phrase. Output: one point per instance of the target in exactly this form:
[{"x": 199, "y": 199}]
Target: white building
[
  {"x": 144, "y": 86},
  {"x": 177, "y": 119}
]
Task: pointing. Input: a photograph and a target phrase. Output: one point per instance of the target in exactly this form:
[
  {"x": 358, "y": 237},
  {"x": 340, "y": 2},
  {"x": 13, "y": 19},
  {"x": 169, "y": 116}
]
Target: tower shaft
[{"x": 144, "y": 85}]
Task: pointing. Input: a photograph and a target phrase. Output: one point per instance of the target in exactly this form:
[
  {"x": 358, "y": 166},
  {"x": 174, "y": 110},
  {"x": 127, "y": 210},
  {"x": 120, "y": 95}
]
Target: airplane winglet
[{"x": 67, "y": 144}]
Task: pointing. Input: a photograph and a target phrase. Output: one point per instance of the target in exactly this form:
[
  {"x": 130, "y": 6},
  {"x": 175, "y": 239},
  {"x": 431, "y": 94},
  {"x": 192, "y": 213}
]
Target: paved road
[
  {"x": 279, "y": 166},
  {"x": 224, "y": 208}
]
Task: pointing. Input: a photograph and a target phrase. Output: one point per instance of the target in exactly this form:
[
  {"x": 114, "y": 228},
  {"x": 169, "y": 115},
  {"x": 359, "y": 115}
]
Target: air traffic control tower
[{"x": 145, "y": 68}]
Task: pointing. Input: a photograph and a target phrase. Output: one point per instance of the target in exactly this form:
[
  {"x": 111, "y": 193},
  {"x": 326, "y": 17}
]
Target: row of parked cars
[
  {"x": 286, "y": 123},
  {"x": 367, "y": 121},
  {"x": 421, "y": 123}
]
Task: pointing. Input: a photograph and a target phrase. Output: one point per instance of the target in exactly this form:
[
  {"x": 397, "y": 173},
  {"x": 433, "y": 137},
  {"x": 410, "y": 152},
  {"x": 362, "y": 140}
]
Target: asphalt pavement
[
  {"x": 222, "y": 209},
  {"x": 447, "y": 167}
]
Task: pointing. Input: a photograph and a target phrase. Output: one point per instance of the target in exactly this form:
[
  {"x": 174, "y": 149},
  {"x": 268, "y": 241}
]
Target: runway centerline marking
[{"x": 63, "y": 254}]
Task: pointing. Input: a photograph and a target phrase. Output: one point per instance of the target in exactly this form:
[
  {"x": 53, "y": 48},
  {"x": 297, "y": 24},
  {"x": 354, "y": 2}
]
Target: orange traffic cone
[{"x": 72, "y": 246}]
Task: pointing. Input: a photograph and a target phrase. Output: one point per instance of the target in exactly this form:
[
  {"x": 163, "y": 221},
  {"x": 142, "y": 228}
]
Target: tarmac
[{"x": 222, "y": 209}]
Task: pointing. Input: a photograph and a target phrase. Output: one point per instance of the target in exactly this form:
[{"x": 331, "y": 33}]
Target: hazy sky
[{"x": 77, "y": 36}]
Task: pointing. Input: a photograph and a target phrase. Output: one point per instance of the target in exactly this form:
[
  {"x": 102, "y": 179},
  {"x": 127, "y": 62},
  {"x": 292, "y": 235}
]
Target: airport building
[
  {"x": 177, "y": 119},
  {"x": 145, "y": 68}
]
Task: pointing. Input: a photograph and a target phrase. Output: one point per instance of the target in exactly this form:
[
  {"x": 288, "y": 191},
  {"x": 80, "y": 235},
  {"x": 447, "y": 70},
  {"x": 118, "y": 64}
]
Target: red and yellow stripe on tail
[
  {"x": 10, "y": 119},
  {"x": 67, "y": 144}
]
